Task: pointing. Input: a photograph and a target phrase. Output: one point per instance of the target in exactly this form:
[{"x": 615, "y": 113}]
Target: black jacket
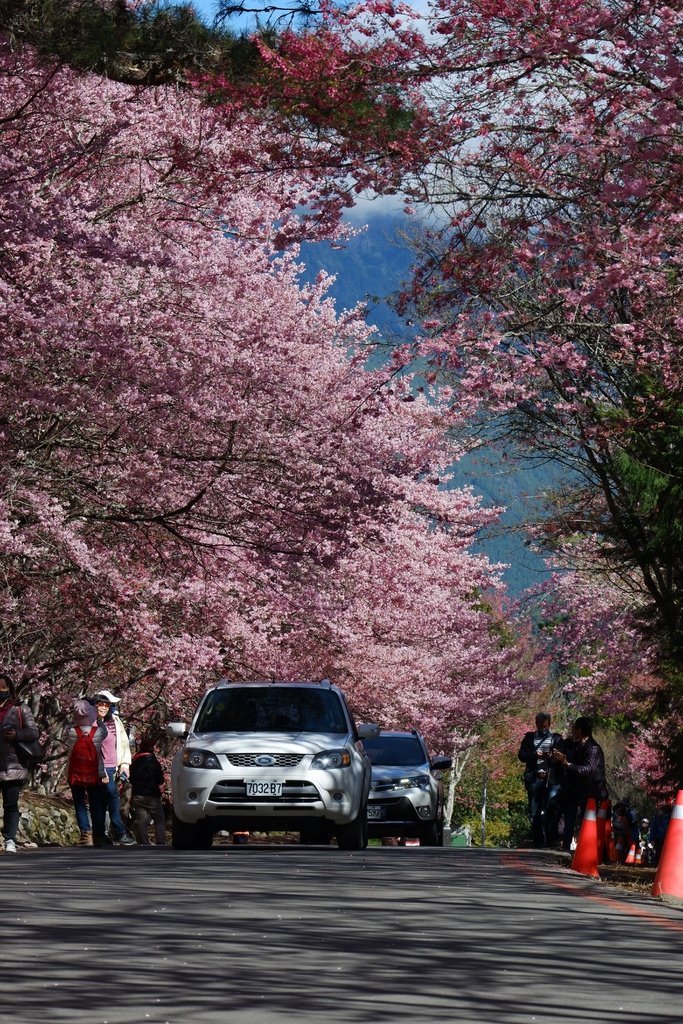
[
  {"x": 146, "y": 775},
  {"x": 586, "y": 767}
]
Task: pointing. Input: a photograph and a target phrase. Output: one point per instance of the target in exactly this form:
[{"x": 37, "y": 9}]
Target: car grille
[
  {"x": 279, "y": 760},
  {"x": 383, "y": 787}
]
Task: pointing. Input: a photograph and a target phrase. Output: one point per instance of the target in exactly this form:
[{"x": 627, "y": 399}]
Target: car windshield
[
  {"x": 395, "y": 751},
  {"x": 272, "y": 709}
]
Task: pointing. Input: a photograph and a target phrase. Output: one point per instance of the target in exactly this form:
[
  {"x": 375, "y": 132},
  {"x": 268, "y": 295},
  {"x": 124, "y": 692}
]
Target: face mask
[{"x": 4, "y": 694}]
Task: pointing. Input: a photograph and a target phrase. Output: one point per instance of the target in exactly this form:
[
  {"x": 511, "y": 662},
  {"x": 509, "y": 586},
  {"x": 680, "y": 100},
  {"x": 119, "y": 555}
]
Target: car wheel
[
  {"x": 429, "y": 836},
  {"x": 354, "y": 836},
  {"x": 186, "y": 836}
]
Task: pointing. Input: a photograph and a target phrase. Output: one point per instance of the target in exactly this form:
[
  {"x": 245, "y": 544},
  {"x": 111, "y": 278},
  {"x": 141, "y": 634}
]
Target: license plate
[
  {"x": 263, "y": 787},
  {"x": 375, "y": 813}
]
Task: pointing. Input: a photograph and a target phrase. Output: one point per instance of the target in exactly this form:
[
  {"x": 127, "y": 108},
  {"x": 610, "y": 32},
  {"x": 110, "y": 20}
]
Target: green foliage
[
  {"x": 494, "y": 760},
  {"x": 507, "y": 822},
  {"x": 159, "y": 43}
]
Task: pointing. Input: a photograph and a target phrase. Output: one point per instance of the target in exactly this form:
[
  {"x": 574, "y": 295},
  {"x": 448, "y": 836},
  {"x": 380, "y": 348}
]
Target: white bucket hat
[{"x": 108, "y": 695}]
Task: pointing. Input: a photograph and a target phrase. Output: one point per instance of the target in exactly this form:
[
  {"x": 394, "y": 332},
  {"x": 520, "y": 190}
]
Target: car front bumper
[{"x": 334, "y": 795}]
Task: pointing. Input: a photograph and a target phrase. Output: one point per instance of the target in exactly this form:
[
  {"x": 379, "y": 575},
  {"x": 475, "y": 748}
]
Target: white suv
[
  {"x": 406, "y": 795},
  {"x": 271, "y": 756}
]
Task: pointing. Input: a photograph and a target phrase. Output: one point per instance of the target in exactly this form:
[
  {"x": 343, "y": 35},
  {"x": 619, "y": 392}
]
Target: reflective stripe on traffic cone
[
  {"x": 639, "y": 855},
  {"x": 585, "y": 859},
  {"x": 603, "y": 814},
  {"x": 668, "y": 881},
  {"x": 631, "y": 857}
]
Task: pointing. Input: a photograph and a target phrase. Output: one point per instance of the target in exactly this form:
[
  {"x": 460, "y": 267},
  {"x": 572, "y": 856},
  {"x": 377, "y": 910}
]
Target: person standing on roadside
[
  {"x": 17, "y": 725},
  {"x": 541, "y": 780},
  {"x": 117, "y": 758},
  {"x": 86, "y": 773},
  {"x": 571, "y": 790},
  {"x": 585, "y": 765},
  {"x": 147, "y": 780}
]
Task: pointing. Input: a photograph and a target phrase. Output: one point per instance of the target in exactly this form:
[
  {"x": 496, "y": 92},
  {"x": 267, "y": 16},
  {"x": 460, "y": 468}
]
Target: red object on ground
[
  {"x": 669, "y": 877},
  {"x": 585, "y": 859},
  {"x": 604, "y": 813}
]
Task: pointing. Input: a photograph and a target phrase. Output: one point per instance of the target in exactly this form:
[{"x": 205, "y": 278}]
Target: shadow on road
[{"x": 254, "y": 933}]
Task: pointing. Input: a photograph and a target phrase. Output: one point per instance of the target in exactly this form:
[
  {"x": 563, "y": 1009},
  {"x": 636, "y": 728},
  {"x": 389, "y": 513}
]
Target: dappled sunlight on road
[{"x": 389, "y": 934}]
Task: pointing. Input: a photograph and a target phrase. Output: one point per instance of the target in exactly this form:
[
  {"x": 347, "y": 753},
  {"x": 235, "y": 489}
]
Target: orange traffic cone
[
  {"x": 639, "y": 855},
  {"x": 631, "y": 856},
  {"x": 603, "y": 814},
  {"x": 585, "y": 859},
  {"x": 668, "y": 881}
]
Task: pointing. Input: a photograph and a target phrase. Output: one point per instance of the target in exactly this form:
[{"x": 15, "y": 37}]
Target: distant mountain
[{"x": 370, "y": 268}]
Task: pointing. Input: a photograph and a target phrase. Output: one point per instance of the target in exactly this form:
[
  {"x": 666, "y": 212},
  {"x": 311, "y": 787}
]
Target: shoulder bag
[{"x": 32, "y": 753}]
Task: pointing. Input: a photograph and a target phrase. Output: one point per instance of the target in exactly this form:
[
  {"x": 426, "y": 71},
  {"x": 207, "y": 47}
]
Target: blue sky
[{"x": 205, "y": 7}]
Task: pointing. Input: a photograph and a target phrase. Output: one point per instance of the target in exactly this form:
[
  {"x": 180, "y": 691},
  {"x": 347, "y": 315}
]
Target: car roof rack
[{"x": 325, "y": 683}]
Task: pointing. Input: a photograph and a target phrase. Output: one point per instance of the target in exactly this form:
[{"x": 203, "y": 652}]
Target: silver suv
[
  {"x": 271, "y": 757},
  {"x": 406, "y": 794}
]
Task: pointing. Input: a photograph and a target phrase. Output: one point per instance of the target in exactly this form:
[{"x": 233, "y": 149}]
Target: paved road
[{"x": 255, "y": 934}]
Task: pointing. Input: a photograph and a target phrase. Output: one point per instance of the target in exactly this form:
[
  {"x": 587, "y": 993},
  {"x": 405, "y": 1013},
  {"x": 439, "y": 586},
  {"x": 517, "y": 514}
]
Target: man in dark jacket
[
  {"x": 147, "y": 781},
  {"x": 542, "y": 779},
  {"x": 584, "y": 767}
]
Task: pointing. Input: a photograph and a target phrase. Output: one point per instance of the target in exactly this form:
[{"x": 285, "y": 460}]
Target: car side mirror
[
  {"x": 368, "y": 731},
  {"x": 440, "y": 764},
  {"x": 176, "y": 730}
]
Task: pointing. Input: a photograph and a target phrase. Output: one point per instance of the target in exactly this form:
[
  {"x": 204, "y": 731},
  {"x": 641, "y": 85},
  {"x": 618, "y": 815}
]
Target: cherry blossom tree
[
  {"x": 591, "y": 628},
  {"x": 547, "y": 140},
  {"x": 199, "y": 476}
]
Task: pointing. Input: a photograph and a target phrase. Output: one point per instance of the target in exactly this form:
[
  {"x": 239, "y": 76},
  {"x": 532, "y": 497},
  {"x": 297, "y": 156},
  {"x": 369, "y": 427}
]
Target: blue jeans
[
  {"x": 93, "y": 797},
  {"x": 113, "y": 805}
]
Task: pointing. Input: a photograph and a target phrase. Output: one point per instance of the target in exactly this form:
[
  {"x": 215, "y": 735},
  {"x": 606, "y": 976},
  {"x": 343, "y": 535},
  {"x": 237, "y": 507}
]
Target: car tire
[
  {"x": 354, "y": 836},
  {"x": 429, "y": 836},
  {"x": 186, "y": 836}
]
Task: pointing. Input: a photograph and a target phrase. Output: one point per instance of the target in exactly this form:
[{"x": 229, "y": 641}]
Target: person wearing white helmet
[{"x": 117, "y": 757}]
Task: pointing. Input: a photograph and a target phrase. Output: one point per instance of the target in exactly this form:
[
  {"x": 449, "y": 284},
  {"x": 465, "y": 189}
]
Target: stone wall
[{"x": 45, "y": 820}]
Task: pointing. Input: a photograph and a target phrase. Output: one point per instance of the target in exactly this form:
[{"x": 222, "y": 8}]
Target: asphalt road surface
[{"x": 258, "y": 934}]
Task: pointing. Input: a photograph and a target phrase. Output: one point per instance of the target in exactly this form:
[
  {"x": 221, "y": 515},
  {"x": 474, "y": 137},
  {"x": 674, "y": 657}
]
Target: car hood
[
  {"x": 270, "y": 742},
  {"x": 385, "y": 773}
]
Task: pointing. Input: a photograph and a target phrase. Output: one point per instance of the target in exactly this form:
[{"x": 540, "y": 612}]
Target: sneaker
[
  {"x": 125, "y": 840},
  {"x": 10, "y": 846}
]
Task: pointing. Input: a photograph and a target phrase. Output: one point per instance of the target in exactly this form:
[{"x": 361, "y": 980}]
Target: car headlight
[
  {"x": 331, "y": 759},
  {"x": 200, "y": 759},
  {"x": 413, "y": 782}
]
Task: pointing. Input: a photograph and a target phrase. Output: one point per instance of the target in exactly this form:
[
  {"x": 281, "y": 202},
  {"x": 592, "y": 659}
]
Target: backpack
[{"x": 84, "y": 760}]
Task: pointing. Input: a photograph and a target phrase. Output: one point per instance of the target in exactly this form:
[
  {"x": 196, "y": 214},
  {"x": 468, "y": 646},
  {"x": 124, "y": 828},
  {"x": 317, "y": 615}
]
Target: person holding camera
[
  {"x": 542, "y": 779},
  {"x": 584, "y": 768},
  {"x": 17, "y": 725}
]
